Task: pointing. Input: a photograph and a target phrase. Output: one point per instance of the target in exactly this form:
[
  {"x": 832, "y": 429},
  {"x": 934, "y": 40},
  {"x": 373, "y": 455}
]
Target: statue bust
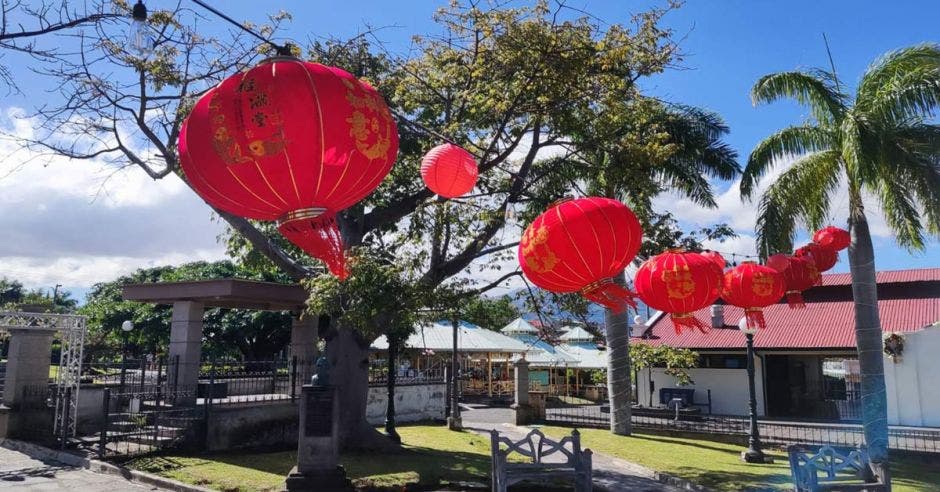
[{"x": 322, "y": 376}]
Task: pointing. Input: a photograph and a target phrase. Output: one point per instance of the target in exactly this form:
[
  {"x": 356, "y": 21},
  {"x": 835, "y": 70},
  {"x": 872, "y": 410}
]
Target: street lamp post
[
  {"x": 454, "y": 422},
  {"x": 753, "y": 454},
  {"x": 126, "y": 327}
]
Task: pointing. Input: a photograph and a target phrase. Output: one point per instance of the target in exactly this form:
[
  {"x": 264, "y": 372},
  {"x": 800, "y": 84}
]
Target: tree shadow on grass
[{"x": 735, "y": 480}]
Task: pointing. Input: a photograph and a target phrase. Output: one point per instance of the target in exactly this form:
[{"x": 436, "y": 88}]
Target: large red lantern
[
  {"x": 833, "y": 238},
  {"x": 716, "y": 257},
  {"x": 579, "y": 245},
  {"x": 823, "y": 257},
  {"x": 679, "y": 283},
  {"x": 752, "y": 287},
  {"x": 290, "y": 141},
  {"x": 449, "y": 170},
  {"x": 799, "y": 275}
]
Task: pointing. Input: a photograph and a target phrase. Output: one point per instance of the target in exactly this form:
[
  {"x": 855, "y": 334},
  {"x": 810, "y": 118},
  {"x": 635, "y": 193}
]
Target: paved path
[
  {"x": 614, "y": 475},
  {"x": 21, "y": 472}
]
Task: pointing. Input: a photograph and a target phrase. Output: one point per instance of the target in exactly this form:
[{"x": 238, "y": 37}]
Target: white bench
[
  {"x": 841, "y": 471},
  {"x": 575, "y": 462}
]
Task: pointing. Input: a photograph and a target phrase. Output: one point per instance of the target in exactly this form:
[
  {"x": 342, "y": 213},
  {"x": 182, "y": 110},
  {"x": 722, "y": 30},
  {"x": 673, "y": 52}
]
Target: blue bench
[{"x": 840, "y": 469}]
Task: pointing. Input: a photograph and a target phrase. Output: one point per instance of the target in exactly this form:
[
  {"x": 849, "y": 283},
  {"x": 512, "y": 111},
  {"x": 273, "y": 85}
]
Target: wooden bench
[
  {"x": 841, "y": 470},
  {"x": 575, "y": 464}
]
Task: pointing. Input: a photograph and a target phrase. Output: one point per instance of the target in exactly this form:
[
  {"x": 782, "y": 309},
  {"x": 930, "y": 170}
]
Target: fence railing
[
  {"x": 771, "y": 431},
  {"x": 378, "y": 376}
]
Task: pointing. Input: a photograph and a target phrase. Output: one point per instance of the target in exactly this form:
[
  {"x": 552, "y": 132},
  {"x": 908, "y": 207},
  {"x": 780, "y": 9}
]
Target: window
[{"x": 723, "y": 361}]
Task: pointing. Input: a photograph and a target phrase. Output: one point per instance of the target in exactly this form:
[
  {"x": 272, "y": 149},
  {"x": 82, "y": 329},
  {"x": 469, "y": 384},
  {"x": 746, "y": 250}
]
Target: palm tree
[
  {"x": 881, "y": 142},
  {"x": 659, "y": 147}
]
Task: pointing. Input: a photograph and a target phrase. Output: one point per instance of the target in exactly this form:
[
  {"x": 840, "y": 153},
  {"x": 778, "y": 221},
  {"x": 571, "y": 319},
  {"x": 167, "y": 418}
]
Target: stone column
[
  {"x": 185, "y": 351},
  {"x": 28, "y": 360},
  {"x": 303, "y": 346},
  {"x": 521, "y": 389}
]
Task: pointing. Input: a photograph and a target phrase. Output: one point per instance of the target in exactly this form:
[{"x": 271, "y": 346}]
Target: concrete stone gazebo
[{"x": 190, "y": 300}]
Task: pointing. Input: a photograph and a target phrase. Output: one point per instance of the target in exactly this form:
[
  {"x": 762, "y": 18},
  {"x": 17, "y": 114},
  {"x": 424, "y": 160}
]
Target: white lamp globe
[
  {"x": 128, "y": 325},
  {"x": 746, "y": 328}
]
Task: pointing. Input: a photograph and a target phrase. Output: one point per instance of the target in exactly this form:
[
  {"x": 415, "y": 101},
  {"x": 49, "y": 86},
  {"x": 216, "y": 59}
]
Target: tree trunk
[
  {"x": 618, "y": 367},
  {"x": 868, "y": 338},
  {"x": 349, "y": 372}
]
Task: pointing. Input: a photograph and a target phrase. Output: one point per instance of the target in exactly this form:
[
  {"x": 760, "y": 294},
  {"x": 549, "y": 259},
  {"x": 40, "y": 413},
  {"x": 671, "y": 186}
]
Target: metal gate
[{"x": 71, "y": 332}]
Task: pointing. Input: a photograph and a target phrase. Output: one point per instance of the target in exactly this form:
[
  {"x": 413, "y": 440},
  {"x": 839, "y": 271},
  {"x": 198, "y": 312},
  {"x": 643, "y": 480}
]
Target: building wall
[
  {"x": 412, "y": 403},
  {"x": 728, "y": 387},
  {"x": 913, "y": 395}
]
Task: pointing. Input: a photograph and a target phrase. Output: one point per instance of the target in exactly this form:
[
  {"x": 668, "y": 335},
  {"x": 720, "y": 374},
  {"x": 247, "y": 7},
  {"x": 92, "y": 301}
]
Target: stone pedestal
[
  {"x": 537, "y": 403},
  {"x": 318, "y": 443},
  {"x": 523, "y": 411},
  {"x": 28, "y": 361},
  {"x": 185, "y": 351}
]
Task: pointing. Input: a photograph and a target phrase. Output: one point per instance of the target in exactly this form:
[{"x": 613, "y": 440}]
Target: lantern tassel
[
  {"x": 682, "y": 321},
  {"x": 319, "y": 236},
  {"x": 610, "y": 295},
  {"x": 755, "y": 317},
  {"x": 795, "y": 299}
]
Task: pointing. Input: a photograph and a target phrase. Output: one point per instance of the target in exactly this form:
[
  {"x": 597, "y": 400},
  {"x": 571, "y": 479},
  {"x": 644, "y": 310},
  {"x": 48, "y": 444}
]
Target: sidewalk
[
  {"x": 22, "y": 471},
  {"x": 611, "y": 474}
]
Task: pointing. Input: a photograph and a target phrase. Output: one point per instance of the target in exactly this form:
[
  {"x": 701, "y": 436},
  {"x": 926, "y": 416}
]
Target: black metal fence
[{"x": 780, "y": 432}]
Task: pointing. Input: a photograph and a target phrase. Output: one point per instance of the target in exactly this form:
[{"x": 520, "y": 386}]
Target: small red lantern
[
  {"x": 752, "y": 287},
  {"x": 716, "y": 257},
  {"x": 449, "y": 170},
  {"x": 290, "y": 141},
  {"x": 679, "y": 283},
  {"x": 578, "y": 245},
  {"x": 779, "y": 261},
  {"x": 824, "y": 258},
  {"x": 833, "y": 238},
  {"x": 799, "y": 275}
]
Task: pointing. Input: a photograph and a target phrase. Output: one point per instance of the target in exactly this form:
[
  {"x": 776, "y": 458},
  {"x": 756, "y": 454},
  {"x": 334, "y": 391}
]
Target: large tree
[
  {"x": 509, "y": 84},
  {"x": 881, "y": 143}
]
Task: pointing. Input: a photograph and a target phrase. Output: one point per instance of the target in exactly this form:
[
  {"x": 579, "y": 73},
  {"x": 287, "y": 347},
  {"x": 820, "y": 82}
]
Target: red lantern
[
  {"x": 779, "y": 262},
  {"x": 578, "y": 245},
  {"x": 290, "y": 141},
  {"x": 752, "y": 287},
  {"x": 679, "y": 283},
  {"x": 716, "y": 257},
  {"x": 823, "y": 257},
  {"x": 833, "y": 238},
  {"x": 449, "y": 170},
  {"x": 799, "y": 275}
]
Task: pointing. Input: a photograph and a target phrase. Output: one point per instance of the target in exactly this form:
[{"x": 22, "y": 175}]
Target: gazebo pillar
[
  {"x": 303, "y": 346},
  {"x": 185, "y": 351}
]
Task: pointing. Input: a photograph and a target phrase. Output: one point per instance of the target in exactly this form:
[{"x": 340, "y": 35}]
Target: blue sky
[{"x": 728, "y": 45}]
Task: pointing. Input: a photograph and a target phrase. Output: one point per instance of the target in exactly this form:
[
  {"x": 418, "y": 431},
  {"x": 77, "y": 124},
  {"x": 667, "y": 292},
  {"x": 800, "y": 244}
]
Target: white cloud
[
  {"x": 742, "y": 215},
  {"x": 77, "y": 222}
]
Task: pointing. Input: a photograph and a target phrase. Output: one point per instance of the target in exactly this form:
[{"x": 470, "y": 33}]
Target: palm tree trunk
[
  {"x": 618, "y": 367},
  {"x": 868, "y": 338}
]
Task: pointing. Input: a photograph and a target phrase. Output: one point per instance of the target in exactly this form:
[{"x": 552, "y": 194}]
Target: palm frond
[
  {"x": 902, "y": 84},
  {"x": 682, "y": 178},
  {"x": 900, "y": 209},
  {"x": 825, "y": 102},
  {"x": 791, "y": 141},
  {"x": 801, "y": 194},
  {"x": 913, "y": 155}
]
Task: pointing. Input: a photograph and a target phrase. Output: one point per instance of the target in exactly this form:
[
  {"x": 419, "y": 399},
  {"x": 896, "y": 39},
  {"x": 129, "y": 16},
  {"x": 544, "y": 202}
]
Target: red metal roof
[
  {"x": 819, "y": 325},
  {"x": 888, "y": 276}
]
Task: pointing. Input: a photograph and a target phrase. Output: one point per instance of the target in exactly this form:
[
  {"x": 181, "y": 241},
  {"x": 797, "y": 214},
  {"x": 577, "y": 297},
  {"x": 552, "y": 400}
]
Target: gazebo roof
[
  {"x": 438, "y": 337},
  {"x": 224, "y": 293},
  {"x": 576, "y": 334},
  {"x": 519, "y": 326}
]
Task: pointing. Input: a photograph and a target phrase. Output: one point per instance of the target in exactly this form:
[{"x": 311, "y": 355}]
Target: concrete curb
[{"x": 96, "y": 466}]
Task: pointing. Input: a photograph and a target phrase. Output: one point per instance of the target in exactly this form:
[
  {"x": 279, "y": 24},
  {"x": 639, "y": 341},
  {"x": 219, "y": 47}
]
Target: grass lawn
[
  {"x": 718, "y": 465},
  {"x": 432, "y": 456}
]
